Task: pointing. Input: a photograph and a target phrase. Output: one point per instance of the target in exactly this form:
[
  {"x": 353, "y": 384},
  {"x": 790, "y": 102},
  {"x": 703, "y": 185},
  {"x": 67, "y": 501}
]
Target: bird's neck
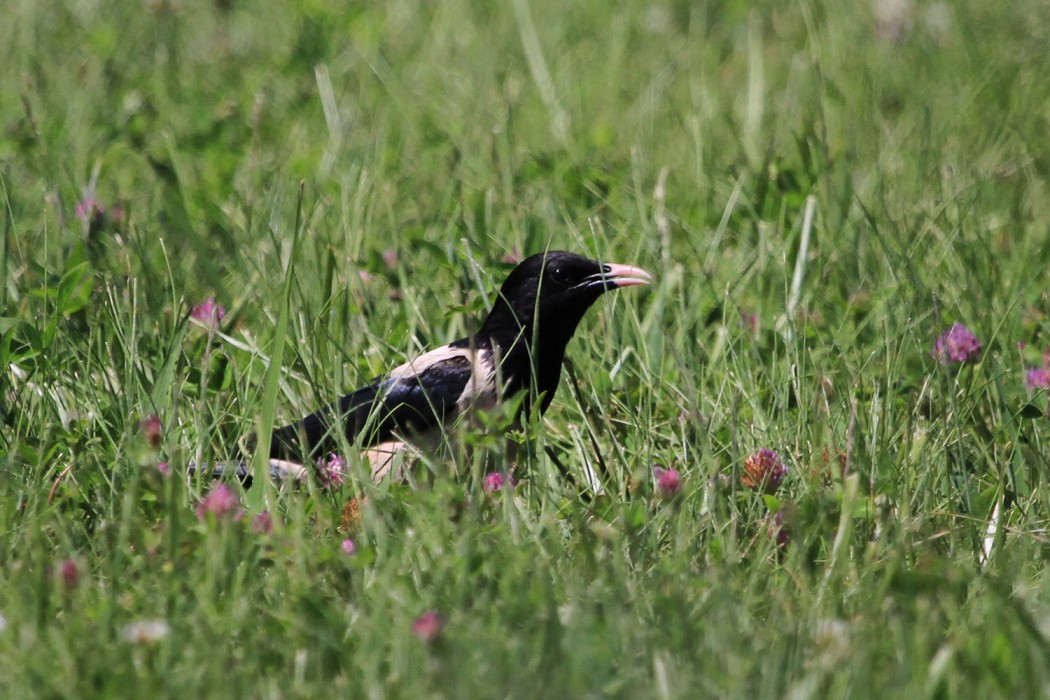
[{"x": 530, "y": 360}]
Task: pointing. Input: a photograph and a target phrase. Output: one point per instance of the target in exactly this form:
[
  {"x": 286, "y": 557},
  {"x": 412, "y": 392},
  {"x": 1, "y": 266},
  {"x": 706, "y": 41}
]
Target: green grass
[{"x": 683, "y": 137}]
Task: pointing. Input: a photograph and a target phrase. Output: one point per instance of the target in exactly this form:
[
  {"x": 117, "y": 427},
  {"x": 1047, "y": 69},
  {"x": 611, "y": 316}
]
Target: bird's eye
[{"x": 558, "y": 275}]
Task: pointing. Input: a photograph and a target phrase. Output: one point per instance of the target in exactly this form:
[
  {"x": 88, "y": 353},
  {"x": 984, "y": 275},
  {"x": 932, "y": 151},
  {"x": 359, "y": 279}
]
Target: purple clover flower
[
  {"x": 764, "y": 471},
  {"x": 955, "y": 345},
  {"x": 668, "y": 482},
  {"x": 153, "y": 430},
  {"x": 69, "y": 572},
  {"x": 428, "y": 626},
  {"x": 222, "y": 503},
  {"x": 1037, "y": 378},
  {"x": 495, "y": 481},
  {"x": 208, "y": 313},
  {"x": 331, "y": 471}
]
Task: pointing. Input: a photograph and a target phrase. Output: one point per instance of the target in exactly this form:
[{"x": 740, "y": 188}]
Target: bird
[{"x": 518, "y": 349}]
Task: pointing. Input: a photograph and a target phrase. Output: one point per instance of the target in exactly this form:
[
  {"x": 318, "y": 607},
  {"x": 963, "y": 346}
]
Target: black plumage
[{"x": 519, "y": 348}]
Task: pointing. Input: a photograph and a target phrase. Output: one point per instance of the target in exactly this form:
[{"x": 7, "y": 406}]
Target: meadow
[{"x": 218, "y": 215}]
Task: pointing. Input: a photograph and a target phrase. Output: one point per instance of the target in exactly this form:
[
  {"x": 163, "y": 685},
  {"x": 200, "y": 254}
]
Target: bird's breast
[{"x": 481, "y": 391}]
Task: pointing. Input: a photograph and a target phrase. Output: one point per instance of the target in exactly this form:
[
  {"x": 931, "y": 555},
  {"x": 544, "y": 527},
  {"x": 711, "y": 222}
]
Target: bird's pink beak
[{"x": 625, "y": 275}]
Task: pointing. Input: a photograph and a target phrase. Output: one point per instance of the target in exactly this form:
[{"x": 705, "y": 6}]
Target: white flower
[{"x": 145, "y": 631}]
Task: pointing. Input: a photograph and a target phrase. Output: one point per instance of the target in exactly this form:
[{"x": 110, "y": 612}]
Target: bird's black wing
[{"x": 416, "y": 398}]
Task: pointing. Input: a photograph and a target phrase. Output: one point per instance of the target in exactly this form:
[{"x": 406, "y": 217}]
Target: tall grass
[{"x": 821, "y": 188}]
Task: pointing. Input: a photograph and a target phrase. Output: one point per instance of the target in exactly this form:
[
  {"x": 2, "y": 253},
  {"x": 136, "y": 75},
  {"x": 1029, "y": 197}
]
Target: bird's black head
[
  {"x": 558, "y": 288},
  {"x": 546, "y": 296}
]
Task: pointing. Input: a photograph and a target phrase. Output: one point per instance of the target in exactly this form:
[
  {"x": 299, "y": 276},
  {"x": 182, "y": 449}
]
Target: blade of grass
[{"x": 272, "y": 378}]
